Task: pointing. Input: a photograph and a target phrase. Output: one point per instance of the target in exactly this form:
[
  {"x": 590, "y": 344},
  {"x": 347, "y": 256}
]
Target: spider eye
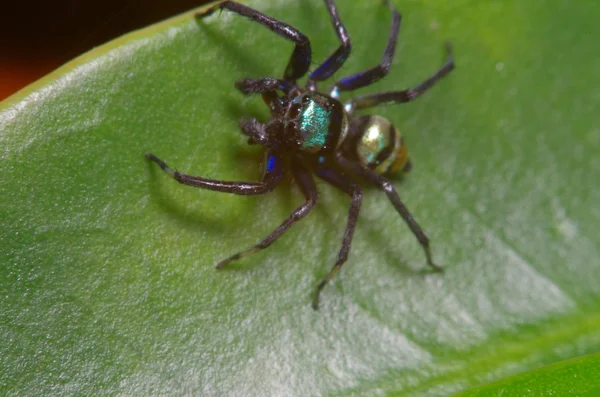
[{"x": 294, "y": 111}]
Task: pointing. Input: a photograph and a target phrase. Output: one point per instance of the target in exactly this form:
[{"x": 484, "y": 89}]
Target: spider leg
[
  {"x": 300, "y": 60},
  {"x": 268, "y": 87},
  {"x": 264, "y": 84},
  {"x": 272, "y": 176},
  {"x": 342, "y": 182},
  {"x": 385, "y": 185},
  {"x": 370, "y": 76},
  {"x": 307, "y": 185},
  {"x": 367, "y": 101},
  {"x": 338, "y": 57}
]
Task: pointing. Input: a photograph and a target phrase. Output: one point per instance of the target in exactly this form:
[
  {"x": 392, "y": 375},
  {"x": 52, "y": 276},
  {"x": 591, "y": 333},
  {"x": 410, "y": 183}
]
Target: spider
[{"x": 313, "y": 132}]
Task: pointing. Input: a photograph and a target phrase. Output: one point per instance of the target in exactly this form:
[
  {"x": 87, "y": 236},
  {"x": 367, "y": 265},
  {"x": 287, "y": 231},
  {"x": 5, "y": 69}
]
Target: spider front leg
[
  {"x": 307, "y": 185},
  {"x": 385, "y": 185},
  {"x": 300, "y": 60},
  {"x": 272, "y": 176},
  {"x": 345, "y": 184}
]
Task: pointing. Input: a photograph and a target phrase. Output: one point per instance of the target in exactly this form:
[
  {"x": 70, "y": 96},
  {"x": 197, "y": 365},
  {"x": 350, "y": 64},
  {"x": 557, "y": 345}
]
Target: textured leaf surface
[
  {"x": 577, "y": 377},
  {"x": 107, "y": 282}
]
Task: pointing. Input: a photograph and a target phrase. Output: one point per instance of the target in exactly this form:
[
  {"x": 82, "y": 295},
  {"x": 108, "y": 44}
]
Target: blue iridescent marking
[
  {"x": 350, "y": 79},
  {"x": 315, "y": 125},
  {"x": 325, "y": 66},
  {"x": 271, "y": 161}
]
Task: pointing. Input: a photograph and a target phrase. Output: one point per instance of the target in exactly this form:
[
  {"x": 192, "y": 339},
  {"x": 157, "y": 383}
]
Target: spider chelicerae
[{"x": 313, "y": 132}]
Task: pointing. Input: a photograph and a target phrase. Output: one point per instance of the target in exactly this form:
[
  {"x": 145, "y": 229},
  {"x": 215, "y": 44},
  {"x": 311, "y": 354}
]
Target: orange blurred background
[{"x": 38, "y": 36}]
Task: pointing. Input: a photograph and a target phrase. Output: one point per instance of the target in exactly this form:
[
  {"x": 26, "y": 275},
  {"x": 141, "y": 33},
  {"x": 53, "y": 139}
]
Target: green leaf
[
  {"x": 107, "y": 283},
  {"x": 577, "y": 377}
]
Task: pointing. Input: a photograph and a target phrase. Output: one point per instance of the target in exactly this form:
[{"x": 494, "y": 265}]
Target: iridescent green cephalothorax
[{"x": 319, "y": 122}]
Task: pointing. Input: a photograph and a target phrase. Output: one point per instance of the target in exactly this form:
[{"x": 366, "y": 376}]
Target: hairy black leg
[
  {"x": 370, "y": 76},
  {"x": 339, "y": 56},
  {"x": 307, "y": 185},
  {"x": 265, "y": 84},
  {"x": 347, "y": 185},
  {"x": 268, "y": 87},
  {"x": 385, "y": 185},
  {"x": 300, "y": 60},
  {"x": 272, "y": 176},
  {"x": 368, "y": 101}
]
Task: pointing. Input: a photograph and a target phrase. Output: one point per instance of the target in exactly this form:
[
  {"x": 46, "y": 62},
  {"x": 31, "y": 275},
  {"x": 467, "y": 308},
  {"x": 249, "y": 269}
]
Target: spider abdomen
[
  {"x": 379, "y": 145},
  {"x": 319, "y": 123}
]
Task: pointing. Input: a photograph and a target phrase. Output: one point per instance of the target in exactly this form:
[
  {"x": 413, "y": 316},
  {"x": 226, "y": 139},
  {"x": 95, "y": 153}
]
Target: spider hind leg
[
  {"x": 307, "y": 185},
  {"x": 387, "y": 187},
  {"x": 348, "y": 186}
]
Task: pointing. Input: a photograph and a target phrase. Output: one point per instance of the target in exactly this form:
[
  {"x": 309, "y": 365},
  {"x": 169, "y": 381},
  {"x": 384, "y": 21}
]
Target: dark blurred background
[{"x": 38, "y": 36}]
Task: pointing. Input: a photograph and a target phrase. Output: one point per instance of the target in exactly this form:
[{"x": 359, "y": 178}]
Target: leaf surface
[
  {"x": 107, "y": 280},
  {"x": 577, "y": 377}
]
